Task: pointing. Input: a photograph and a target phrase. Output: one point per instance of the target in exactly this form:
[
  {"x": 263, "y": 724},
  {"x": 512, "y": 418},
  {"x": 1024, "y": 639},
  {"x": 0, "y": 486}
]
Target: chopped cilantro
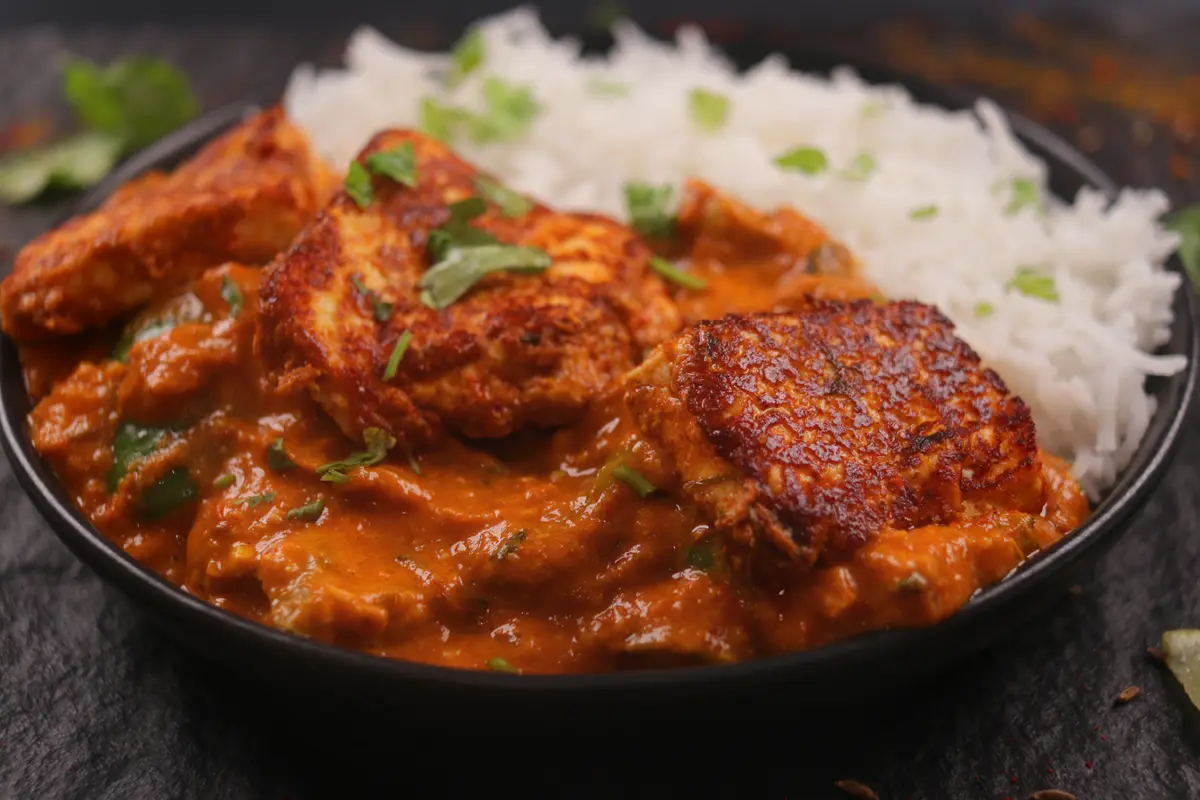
[
  {"x": 676, "y": 275},
  {"x": 1030, "y": 282},
  {"x": 232, "y": 295},
  {"x": 442, "y": 122},
  {"x": 399, "y": 164},
  {"x": 1186, "y": 223},
  {"x": 650, "y": 208},
  {"x": 131, "y": 444},
  {"x": 76, "y": 162},
  {"x": 393, "y": 362},
  {"x": 709, "y": 109},
  {"x": 378, "y": 442},
  {"x": 309, "y": 512},
  {"x": 808, "y": 160},
  {"x": 467, "y": 56},
  {"x": 633, "y": 479},
  {"x": 510, "y": 111},
  {"x": 255, "y": 500},
  {"x": 1024, "y": 193},
  {"x": 702, "y": 555},
  {"x": 172, "y": 492},
  {"x": 511, "y": 204},
  {"x": 135, "y": 100},
  {"x": 860, "y": 168},
  {"x": 511, "y": 545},
  {"x": 150, "y": 330},
  {"x": 277, "y": 457},
  {"x": 358, "y": 185},
  {"x": 463, "y": 267},
  {"x": 381, "y": 308}
]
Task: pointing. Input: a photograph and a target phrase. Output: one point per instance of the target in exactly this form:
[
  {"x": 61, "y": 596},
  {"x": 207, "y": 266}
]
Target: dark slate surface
[{"x": 95, "y": 703}]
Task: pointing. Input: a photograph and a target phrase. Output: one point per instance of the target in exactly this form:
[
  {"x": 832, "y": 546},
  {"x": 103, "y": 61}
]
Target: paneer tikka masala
[{"x": 413, "y": 412}]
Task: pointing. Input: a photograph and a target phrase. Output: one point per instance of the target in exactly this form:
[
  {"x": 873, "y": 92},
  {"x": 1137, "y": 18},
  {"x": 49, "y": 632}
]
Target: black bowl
[{"x": 844, "y": 673}]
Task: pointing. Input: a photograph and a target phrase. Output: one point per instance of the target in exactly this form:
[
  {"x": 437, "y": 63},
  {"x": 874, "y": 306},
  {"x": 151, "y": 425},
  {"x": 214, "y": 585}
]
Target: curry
[{"x": 581, "y": 462}]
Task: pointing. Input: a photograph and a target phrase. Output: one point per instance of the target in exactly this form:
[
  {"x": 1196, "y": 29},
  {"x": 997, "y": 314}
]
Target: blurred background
[{"x": 1113, "y": 76}]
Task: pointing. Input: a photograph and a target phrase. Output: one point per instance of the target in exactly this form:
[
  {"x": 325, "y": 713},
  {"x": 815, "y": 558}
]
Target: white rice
[{"x": 1080, "y": 363}]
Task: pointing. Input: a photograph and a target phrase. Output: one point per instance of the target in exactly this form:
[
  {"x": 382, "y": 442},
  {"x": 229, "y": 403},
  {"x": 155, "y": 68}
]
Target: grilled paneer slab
[
  {"x": 811, "y": 432},
  {"x": 242, "y": 198},
  {"x": 344, "y": 316}
]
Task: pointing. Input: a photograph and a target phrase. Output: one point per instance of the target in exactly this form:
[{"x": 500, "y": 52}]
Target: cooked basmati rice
[{"x": 1079, "y": 361}]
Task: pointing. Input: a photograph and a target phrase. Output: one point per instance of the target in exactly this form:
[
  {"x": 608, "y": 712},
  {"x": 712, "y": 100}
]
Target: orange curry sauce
[{"x": 521, "y": 554}]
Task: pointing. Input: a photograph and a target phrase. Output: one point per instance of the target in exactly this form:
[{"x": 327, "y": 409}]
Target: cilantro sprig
[
  {"x": 120, "y": 107},
  {"x": 463, "y": 255},
  {"x": 650, "y": 207},
  {"x": 508, "y": 111},
  {"x": 378, "y": 442}
]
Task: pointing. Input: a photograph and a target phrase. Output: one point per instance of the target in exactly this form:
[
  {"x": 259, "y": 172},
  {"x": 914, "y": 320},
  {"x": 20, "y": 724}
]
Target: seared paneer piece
[
  {"x": 428, "y": 298},
  {"x": 809, "y": 433},
  {"x": 242, "y": 198}
]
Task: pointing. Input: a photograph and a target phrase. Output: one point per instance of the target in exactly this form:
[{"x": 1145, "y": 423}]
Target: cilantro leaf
[
  {"x": 232, "y": 295},
  {"x": 511, "y": 545},
  {"x": 702, "y": 555},
  {"x": 398, "y": 351},
  {"x": 173, "y": 491},
  {"x": 497, "y": 664},
  {"x": 255, "y": 500},
  {"x": 277, "y": 457},
  {"x": 142, "y": 327},
  {"x": 136, "y": 100},
  {"x": 650, "y": 208},
  {"x": 634, "y": 480},
  {"x": 308, "y": 513},
  {"x": 676, "y": 275},
  {"x": 860, "y": 168},
  {"x": 512, "y": 204},
  {"x": 75, "y": 162},
  {"x": 1024, "y": 193},
  {"x": 808, "y": 160},
  {"x": 358, "y": 185},
  {"x": 463, "y": 267},
  {"x": 131, "y": 444},
  {"x": 378, "y": 442},
  {"x": 442, "y": 122},
  {"x": 148, "y": 331},
  {"x": 510, "y": 110},
  {"x": 709, "y": 109},
  {"x": 1186, "y": 223},
  {"x": 399, "y": 164},
  {"x": 1030, "y": 282},
  {"x": 456, "y": 232},
  {"x": 467, "y": 56}
]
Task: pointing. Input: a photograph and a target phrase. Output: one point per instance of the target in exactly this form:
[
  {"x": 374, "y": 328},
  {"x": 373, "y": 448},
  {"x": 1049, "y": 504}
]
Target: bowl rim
[{"x": 146, "y": 587}]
